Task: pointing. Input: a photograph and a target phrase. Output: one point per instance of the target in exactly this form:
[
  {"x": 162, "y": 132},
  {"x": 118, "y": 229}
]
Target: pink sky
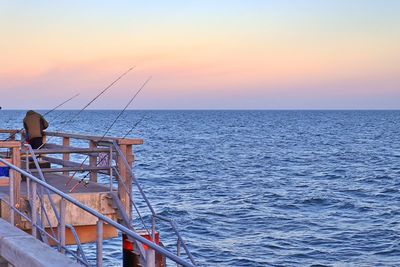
[{"x": 260, "y": 55}]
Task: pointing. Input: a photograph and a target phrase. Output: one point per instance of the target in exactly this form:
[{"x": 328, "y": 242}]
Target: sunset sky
[{"x": 220, "y": 54}]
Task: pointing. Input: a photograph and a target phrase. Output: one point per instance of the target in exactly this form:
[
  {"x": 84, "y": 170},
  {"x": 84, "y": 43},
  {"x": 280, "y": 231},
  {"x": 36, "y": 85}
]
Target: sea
[{"x": 261, "y": 188}]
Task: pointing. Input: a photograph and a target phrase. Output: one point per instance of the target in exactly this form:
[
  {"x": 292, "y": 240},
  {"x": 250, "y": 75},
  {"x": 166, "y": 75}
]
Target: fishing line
[
  {"x": 106, "y": 155},
  {"x": 48, "y": 112},
  {"x": 91, "y": 101},
  {"x": 108, "y": 129}
]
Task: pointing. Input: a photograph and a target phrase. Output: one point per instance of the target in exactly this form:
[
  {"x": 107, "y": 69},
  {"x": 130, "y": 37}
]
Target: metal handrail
[
  {"x": 154, "y": 214},
  {"x": 83, "y": 261},
  {"x": 53, "y": 205},
  {"x": 103, "y": 218}
]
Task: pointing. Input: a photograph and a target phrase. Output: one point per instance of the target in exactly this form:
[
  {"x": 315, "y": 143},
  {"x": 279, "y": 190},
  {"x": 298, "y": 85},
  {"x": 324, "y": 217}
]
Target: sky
[{"x": 208, "y": 54}]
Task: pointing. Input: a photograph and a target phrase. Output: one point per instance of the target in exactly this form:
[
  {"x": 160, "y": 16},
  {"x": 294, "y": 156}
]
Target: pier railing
[
  {"x": 154, "y": 215},
  {"x": 119, "y": 150},
  {"x": 101, "y": 219},
  {"x": 119, "y": 159}
]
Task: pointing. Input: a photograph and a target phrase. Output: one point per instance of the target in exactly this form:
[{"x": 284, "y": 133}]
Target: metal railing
[
  {"x": 154, "y": 215},
  {"x": 100, "y": 220},
  {"x": 60, "y": 215}
]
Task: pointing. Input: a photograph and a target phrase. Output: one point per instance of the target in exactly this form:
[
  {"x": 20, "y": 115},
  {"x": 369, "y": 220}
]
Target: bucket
[
  {"x": 4, "y": 173},
  {"x": 131, "y": 258}
]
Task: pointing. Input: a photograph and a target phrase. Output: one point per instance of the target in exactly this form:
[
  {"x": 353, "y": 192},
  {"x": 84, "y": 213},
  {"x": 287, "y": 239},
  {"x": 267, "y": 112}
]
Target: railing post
[
  {"x": 126, "y": 178},
  {"x": 150, "y": 258},
  {"x": 27, "y": 169},
  {"x": 93, "y": 162},
  {"x": 150, "y": 253},
  {"x": 110, "y": 162},
  {"x": 34, "y": 208},
  {"x": 16, "y": 160},
  {"x": 99, "y": 243},
  {"x": 11, "y": 188},
  {"x": 66, "y": 155},
  {"x": 178, "y": 250},
  {"x": 62, "y": 225}
]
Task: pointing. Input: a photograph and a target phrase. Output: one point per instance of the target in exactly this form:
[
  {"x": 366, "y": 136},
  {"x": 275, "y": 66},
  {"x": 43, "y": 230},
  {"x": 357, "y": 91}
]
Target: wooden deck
[
  {"x": 58, "y": 165},
  {"x": 59, "y": 181}
]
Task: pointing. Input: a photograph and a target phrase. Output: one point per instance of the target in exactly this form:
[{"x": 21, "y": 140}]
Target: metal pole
[
  {"x": 104, "y": 218},
  {"x": 12, "y": 201},
  {"x": 178, "y": 251},
  {"x": 62, "y": 225},
  {"x": 110, "y": 159},
  {"x": 27, "y": 169},
  {"x": 150, "y": 258},
  {"x": 99, "y": 243},
  {"x": 34, "y": 209}
]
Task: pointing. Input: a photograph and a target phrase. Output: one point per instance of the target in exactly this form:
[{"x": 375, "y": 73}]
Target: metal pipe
[
  {"x": 111, "y": 169},
  {"x": 42, "y": 230},
  {"x": 12, "y": 201},
  {"x": 148, "y": 202},
  {"x": 133, "y": 177},
  {"x": 34, "y": 209},
  {"x": 97, "y": 214},
  {"x": 178, "y": 249},
  {"x": 99, "y": 243},
  {"x": 78, "y": 243},
  {"x": 62, "y": 225},
  {"x": 133, "y": 203},
  {"x": 27, "y": 169},
  {"x": 173, "y": 225},
  {"x": 53, "y": 205}
]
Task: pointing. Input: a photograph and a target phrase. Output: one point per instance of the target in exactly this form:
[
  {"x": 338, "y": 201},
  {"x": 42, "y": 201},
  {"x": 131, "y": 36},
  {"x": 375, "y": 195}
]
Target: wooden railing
[{"x": 59, "y": 143}]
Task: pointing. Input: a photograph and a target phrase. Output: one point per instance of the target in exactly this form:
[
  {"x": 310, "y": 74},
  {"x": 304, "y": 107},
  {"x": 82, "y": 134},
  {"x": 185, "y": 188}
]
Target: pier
[{"x": 54, "y": 194}]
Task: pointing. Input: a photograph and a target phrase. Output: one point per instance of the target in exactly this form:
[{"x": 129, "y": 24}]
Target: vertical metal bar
[
  {"x": 150, "y": 253},
  {"x": 16, "y": 161},
  {"x": 65, "y": 143},
  {"x": 150, "y": 257},
  {"x": 99, "y": 243},
  {"x": 42, "y": 208},
  {"x": 34, "y": 209},
  {"x": 11, "y": 188},
  {"x": 153, "y": 228},
  {"x": 62, "y": 225},
  {"x": 178, "y": 250},
  {"x": 27, "y": 169},
  {"x": 93, "y": 162},
  {"x": 111, "y": 169},
  {"x": 27, "y": 160}
]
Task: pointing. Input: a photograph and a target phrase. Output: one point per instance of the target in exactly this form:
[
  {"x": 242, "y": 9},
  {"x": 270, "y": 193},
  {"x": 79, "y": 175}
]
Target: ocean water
[{"x": 264, "y": 188}]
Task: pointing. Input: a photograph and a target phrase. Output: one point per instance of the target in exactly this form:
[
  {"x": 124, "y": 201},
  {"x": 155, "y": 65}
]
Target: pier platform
[
  {"x": 18, "y": 248},
  {"x": 77, "y": 189}
]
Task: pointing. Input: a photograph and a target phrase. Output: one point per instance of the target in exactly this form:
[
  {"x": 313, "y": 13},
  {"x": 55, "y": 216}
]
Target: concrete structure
[{"x": 20, "y": 249}]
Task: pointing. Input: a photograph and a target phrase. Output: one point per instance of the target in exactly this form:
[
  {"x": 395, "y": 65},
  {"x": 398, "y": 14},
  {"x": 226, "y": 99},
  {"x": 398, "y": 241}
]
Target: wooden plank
[
  {"x": 70, "y": 169},
  {"x": 66, "y": 143},
  {"x": 16, "y": 161},
  {"x": 57, "y": 149},
  {"x": 97, "y": 138},
  {"x": 12, "y": 131},
  {"x": 93, "y": 161},
  {"x": 10, "y": 144},
  {"x": 123, "y": 196},
  {"x": 103, "y": 170}
]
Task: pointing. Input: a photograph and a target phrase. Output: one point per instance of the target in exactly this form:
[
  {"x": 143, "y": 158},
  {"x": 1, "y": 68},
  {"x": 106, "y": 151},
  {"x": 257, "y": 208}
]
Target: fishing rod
[
  {"x": 48, "y": 112},
  {"x": 66, "y": 101},
  {"x": 90, "y": 102},
  {"x": 106, "y": 155},
  {"x": 134, "y": 126},
  {"x": 105, "y": 133}
]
